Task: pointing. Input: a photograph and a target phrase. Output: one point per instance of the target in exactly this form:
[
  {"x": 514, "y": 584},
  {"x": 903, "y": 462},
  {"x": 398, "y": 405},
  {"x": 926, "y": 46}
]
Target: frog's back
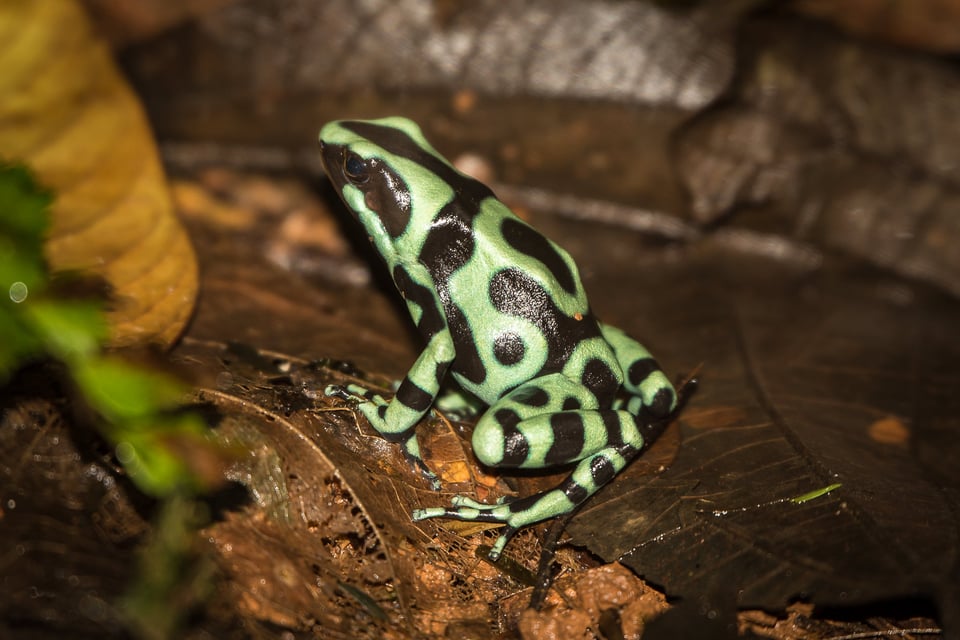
[{"x": 514, "y": 300}]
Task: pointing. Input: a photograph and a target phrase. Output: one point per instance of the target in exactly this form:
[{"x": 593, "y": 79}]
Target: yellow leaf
[{"x": 68, "y": 113}]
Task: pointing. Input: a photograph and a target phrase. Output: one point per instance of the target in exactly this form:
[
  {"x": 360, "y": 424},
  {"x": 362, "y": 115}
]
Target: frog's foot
[
  {"x": 411, "y": 450},
  {"x": 515, "y": 514},
  {"x": 374, "y": 407},
  {"x": 370, "y": 404},
  {"x": 340, "y": 392},
  {"x": 353, "y": 393},
  {"x": 464, "y": 508}
]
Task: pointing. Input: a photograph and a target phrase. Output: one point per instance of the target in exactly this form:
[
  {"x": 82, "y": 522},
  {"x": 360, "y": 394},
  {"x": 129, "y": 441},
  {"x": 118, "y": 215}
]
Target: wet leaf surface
[
  {"x": 84, "y": 133},
  {"x": 837, "y": 377}
]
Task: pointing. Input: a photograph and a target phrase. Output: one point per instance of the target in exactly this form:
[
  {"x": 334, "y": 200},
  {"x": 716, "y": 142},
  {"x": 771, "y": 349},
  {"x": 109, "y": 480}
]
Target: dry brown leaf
[{"x": 68, "y": 113}]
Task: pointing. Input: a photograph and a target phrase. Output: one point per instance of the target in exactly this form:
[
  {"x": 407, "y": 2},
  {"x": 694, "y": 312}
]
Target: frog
[{"x": 503, "y": 312}]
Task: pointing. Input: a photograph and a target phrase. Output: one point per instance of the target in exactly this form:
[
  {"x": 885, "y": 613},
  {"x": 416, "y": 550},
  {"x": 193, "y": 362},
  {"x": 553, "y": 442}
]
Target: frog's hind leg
[
  {"x": 649, "y": 388},
  {"x": 541, "y": 424},
  {"x": 588, "y": 476},
  {"x": 547, "y": 423}
]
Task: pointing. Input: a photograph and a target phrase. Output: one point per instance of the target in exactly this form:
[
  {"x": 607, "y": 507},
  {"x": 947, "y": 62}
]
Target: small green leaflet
[{"x": 816, "y": 493}]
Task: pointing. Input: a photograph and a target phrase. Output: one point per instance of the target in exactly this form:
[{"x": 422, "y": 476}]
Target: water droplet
[
  {"x": 18, "y": 292},
  {"x": 126, "y": 453},
  {"x": 93, "y": 608}
]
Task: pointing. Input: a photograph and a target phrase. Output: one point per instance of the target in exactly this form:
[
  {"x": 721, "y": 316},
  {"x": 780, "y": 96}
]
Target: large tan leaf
[{"x": 68, "y": 113}]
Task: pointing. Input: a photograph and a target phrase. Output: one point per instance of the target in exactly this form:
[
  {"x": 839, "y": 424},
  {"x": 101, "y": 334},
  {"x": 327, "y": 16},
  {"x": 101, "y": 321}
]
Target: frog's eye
[{"x": 355, "y": 169}]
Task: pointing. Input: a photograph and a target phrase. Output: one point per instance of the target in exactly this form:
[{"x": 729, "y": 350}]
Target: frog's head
[{"x": 390, "y": 177}]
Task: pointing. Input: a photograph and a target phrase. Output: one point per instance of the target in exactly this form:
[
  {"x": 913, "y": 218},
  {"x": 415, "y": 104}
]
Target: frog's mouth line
[{"x": 331, "y": 156}]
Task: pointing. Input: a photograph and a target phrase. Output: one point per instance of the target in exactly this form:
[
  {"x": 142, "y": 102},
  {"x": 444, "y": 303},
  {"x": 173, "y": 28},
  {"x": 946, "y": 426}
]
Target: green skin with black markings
[{"x": 503, "y": 311}]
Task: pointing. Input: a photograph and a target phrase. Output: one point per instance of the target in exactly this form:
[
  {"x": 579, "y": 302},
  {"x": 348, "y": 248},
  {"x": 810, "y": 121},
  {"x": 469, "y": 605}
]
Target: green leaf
[
  {"x": 20, "y": 275},
  {"x": 816, "y": 493},
  {"x": 17, "y": 344},
  {"x": 68, "y": 330},
  {"x": 152, "y": 453},
  {"x": 23, "y": 219},
  {"x": 122, "y": 392},
  {"x": 165, "y": 452},
  {"x": 23, "y": 205},
  {"x": 175, "y": 574}
]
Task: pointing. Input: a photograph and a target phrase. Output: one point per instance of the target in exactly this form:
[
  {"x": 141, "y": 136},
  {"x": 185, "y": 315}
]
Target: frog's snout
[{"x": 329, "y": 157}]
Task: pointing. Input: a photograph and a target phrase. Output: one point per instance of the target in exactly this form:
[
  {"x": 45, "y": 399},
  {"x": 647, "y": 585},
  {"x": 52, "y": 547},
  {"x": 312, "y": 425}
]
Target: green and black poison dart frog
[{"x": 503, "y": 311}]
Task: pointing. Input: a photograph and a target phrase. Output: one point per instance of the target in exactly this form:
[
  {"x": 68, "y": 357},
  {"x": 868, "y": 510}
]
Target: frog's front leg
[
  {"x": 396, "y": 420},
  {"x": 546, "y": 423}
]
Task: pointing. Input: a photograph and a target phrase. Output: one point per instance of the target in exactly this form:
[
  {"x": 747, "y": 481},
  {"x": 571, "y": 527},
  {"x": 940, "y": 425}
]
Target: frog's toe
[
  {"x": 336, "y": 391},
  {"x": 424, "y": 514},
  {"x": 411, "y": 450},
  {"x": 426, "y": 474},
  {"x": 472, "y": 514},
  {"x": 465, "y": 501},
  {"x": 466, "y": 509},
  {"x": 497, "y": 549}
]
